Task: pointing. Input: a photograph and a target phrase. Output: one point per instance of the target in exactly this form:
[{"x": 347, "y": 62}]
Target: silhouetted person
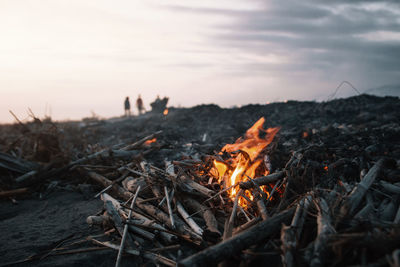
[
  {"x": 127, "y": 106},
  {"x": 139, "y": 104}
]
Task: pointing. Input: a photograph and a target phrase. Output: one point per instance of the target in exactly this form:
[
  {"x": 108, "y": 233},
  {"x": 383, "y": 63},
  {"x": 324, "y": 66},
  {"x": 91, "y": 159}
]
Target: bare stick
[
  {"x": 189, "y": 220},
  {"x": 206, "y": 213},
  {"x": 244, "y": 213},
  {"x": 259, "y": 199},
  {"x": 114, "y": 246},
  {"x": 26, "y": 176},
  {"x": 220, "y": 192},
  {"x": 13, "y": 193},
  {"x": 246, "y": 225},
  {"x": 167, "y": 248},
  {"x": 125, "y": 233},
  {"x": 171, "y": 217},
  {"x": 141, "y": 141},
  {"x": 111, "y": 185},
  {"x": 229, "y": 227},
  {"x": 262, "y": 209}
]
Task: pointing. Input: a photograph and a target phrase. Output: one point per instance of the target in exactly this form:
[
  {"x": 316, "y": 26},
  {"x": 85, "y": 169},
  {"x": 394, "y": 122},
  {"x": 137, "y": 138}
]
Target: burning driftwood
[{"x": 311, "y": 195}]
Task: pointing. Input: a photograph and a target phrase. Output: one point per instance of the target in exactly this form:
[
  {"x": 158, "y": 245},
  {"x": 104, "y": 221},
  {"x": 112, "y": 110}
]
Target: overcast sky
[{"x": 80, "y": 56}]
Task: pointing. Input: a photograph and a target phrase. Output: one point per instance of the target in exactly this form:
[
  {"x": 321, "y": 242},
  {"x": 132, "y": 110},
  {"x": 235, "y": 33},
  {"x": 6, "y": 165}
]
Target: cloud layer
[
  {"x": 333, "y": 40},
  {"x": 78, "y": 56}
]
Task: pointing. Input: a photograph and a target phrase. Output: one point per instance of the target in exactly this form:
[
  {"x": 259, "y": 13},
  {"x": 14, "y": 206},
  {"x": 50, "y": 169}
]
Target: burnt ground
[{"x": 347, "y": 135}]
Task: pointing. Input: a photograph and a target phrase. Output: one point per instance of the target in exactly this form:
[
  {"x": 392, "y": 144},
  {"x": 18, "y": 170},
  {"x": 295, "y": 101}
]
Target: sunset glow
[{"x": 69, "y": 58}]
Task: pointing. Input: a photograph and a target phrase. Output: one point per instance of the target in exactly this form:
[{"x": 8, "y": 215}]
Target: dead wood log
[
  {"x": 113, "y": 212},
  {"x": 35, "y": 176},
  {"x": 114, "y": 151},
  {"x": 159, "y": 258},
  {"x": 14, "y": 193},
  {"x": 246, "y": 225},
  {"x": 389, "y": 212},
  {"x": 25, "y": 177},
  {"x": 162, "y": 217},
  {"x": 146, "y": 222},
  {"x": 141, "y": 141},
  {"x": 364, "y": 212},
  {"x": 171, "y": 217},
  {"x": 237, "y": 243},
  {"x": 271, "y": 178},
  {"x": 109, "y": 187},
  {"x": 292, "y": 233},
  {"x": 288, "y": 247},
  {"x": 391, "y": 188},
  {"x": 114, "y": 246},
  {"x": 262, "y": 209},
  {"x": 149, "y": 209},
  {"x": 196, "y": 186},
  {"x": 352, "y": 202},
  {"x": 325, "y": 229},
  {"x": 187, "y": 219},
  {"x": 211, "y": 222},
  {"x": 167, "y": 248},
  {"x": 125, "y": 234},
  {"x": 141, "y": 232},
  {"x": 259, "y": 196},
  {"x": 12, "y": 163},
  {"x": 397, "y": 217},
  {"x": 102, "y": 220},
  {"x": 146, "y": 254}
]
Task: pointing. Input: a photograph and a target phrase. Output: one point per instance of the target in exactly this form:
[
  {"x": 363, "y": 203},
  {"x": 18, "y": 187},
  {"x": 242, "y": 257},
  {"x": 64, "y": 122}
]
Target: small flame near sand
[{"x": 247, "y": 160}]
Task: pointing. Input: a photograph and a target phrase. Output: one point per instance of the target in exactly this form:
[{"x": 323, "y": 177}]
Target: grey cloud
[{"x": 317, "y": 35}]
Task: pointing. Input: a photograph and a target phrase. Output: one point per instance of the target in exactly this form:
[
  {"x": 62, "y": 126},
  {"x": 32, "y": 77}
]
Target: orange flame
[
  {"x": 150, "y": 141},
  {"x": 246, "y": 161},
  {"x": 165, "y": 112}
]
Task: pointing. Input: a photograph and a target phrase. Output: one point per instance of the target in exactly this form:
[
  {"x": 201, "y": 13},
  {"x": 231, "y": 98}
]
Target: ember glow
[
  {"x": 165, "y": 112},
  {"x": 247, "y": 159},
  {"x": 148, "y": 142}
]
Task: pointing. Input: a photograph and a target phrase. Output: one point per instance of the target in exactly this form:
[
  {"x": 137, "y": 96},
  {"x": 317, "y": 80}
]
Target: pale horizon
[{"x": 76, "y": 57}]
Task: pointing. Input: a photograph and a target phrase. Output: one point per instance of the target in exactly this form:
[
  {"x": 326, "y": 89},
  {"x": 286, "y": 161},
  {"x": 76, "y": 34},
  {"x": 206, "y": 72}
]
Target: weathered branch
[
  {"x": 271, "y": 178},
  {"x": 237, "y": 243},
  {"x": 291, "y": 234},
  {"x": 354, "y": 199},
  {"x": 325, "y": 229}
]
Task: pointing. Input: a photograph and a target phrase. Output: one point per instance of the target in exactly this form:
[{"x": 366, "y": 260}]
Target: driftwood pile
[{"x": 334, "y": 197}]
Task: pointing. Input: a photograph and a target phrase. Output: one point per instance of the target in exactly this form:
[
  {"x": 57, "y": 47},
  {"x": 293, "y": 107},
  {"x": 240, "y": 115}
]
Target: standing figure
[
  {"x": 127, "y": 106},
  {"x": 139, "y": 105}
]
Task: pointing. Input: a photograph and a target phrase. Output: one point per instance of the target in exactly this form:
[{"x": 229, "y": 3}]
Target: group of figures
[{"x": 158, "y": 106}]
